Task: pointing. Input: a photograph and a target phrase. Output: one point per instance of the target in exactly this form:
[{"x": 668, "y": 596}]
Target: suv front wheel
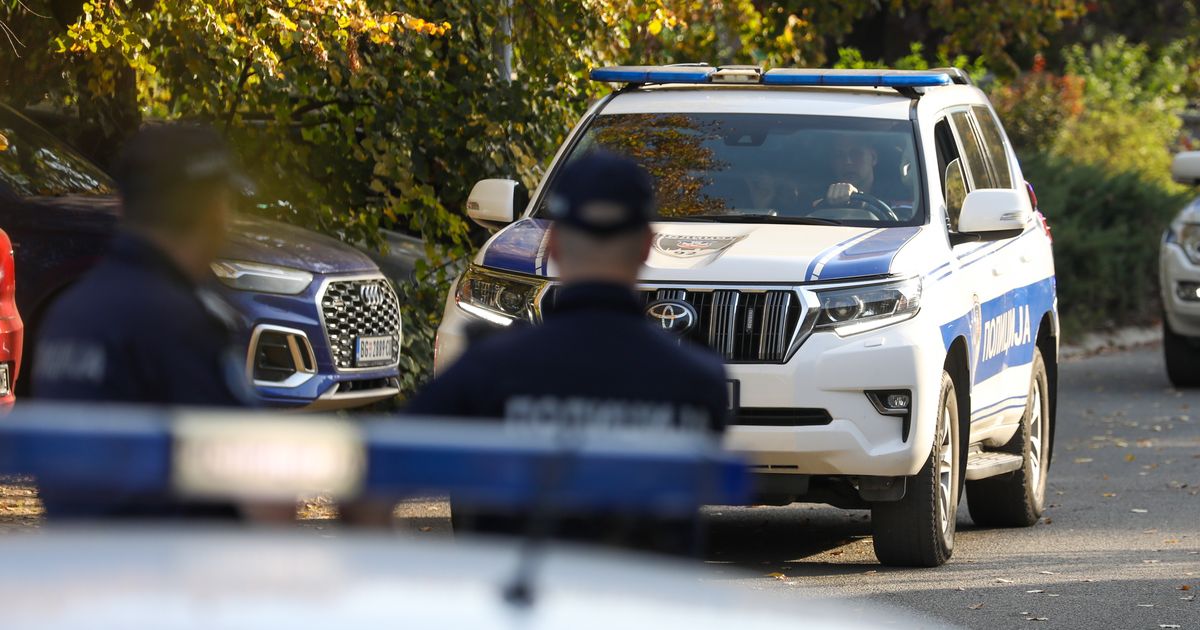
[
  {"x": 1182, "y": 356},
  {"x": 1017, "y": 498},
  {"x": 918, "y": 530}
]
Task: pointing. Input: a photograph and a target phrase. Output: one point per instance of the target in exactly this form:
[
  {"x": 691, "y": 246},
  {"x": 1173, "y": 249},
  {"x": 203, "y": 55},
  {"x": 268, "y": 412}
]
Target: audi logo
[
  {"x": 672, "y": 316},
  {"x": 372, "y": 294}
]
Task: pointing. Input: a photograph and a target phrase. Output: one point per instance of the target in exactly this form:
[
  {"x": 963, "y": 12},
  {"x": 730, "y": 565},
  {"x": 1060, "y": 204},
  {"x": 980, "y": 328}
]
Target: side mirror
[
  {"x": 993, "y": 214},
  {"x": 1185, "y": 168},
  {"x": 493, "y": 202}
]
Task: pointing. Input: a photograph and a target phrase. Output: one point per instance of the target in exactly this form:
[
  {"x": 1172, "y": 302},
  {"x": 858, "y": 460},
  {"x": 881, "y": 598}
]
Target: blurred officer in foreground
[
  {"x": 138, "y": 328},
  {"x": 596, "y": 362}
]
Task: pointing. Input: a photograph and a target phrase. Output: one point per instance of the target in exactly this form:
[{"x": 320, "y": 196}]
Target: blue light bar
[
  {"x": 127, "y": 451},
  {"x": 653, "y": 74},
  {"x": 855, "y": 78}
]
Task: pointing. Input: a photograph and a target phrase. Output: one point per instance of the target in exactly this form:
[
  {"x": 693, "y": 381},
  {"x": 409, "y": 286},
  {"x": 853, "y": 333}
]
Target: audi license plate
[{"x": 374, "y": 350}]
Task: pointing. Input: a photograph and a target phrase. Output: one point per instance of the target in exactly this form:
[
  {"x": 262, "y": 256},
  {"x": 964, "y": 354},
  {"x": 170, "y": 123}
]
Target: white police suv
[
  {"x": 1179, "y": 279},
  {"x": 862, "y": 249}
]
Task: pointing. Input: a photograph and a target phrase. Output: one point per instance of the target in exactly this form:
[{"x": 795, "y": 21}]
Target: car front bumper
[
  {"x": 1183, "y": 315},
  {"x": 827, "y": 372},
  {"x": 834, "y": 374},
  {"x": 326, "y": 387}
]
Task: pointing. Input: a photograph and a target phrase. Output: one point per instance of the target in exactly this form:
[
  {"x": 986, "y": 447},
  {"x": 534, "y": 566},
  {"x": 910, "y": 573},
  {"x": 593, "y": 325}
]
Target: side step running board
[{"x": 984, "y": 464}]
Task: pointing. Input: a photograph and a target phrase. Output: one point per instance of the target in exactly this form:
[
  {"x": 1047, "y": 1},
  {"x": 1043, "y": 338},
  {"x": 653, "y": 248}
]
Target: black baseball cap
[{"x": 602, "y": 194}]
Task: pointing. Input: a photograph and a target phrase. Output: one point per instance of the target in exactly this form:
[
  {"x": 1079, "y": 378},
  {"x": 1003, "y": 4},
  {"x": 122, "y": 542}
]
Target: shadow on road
[{"x": 801, "y": 537}]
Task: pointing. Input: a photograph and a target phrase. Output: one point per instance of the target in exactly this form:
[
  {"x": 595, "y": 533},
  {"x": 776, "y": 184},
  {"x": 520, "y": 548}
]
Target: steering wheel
[{"x": 871, "y": 203}]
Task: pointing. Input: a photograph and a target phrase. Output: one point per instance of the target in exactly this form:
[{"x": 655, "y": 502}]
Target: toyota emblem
[
  {"x": 371, "y": 294},
  {"x": 673, "y": 316}
]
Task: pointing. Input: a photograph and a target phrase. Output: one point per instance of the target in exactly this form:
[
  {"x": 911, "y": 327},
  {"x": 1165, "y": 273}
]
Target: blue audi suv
[{"x": 320, "y": 323}]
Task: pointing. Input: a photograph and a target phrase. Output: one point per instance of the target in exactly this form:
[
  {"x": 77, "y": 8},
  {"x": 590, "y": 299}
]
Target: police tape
[{"x": 98, "y": 450}]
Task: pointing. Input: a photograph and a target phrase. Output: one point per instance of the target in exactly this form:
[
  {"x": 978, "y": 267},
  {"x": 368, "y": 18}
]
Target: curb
[{"x": 1111, "y": 341}]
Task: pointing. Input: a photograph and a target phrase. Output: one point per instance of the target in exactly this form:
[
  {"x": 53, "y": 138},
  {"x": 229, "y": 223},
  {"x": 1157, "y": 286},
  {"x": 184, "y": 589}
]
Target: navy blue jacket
[
  {"x": 134, "y": 329},
  {"x": 596, "y": 360}
]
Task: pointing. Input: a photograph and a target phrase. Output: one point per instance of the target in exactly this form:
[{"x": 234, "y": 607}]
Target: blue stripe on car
[
  {"x": 516, "y": 248},
  {"x": 871, "y": 256},
  {"x": 994, "y": 348},
  {"x": 814, "y": 267}
]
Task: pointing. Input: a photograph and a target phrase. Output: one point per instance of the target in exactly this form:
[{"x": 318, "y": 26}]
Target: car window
[
  {"x": 776, "y": 166},
  {"x": 993, "y": 140},
  {"x": 35, "y": 164},
  {"x": 973, "y": 156}
]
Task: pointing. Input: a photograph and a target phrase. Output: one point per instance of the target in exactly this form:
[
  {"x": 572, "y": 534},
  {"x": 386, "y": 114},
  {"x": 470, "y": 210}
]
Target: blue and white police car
[
  {"x": 1179, "y": 279},
  {"x": 862, "y": 249}
]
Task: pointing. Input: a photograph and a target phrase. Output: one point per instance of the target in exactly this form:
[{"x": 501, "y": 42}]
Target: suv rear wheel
[
  {"x": 1016, "y": 499},
  {"x": 918, "y": 530},
  {"x": 1183, "y": 357}
]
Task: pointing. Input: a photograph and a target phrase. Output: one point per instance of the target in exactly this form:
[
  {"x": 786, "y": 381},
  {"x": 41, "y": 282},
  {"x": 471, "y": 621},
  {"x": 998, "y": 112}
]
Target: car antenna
[{"x": 543, "y": 518}]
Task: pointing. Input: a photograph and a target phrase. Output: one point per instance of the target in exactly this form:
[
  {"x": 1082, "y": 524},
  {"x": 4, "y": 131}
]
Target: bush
[
  {"x": 1131, "y": 108},
  {"x": 1107, "y": 227},
  {"x": 1036, "y": 105}
]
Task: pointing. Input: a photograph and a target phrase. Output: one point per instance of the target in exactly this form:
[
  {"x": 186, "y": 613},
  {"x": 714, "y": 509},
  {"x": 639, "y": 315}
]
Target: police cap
[
  {"x": 164, "y": 164},
  {"x": 602, "y": 194}
]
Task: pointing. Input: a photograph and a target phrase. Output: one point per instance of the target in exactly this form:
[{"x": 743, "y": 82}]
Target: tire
[
  {"x": 918, "y": 530},
  {"x": 1183, "y": 358},
  {"x": 1017, "y": 498}
]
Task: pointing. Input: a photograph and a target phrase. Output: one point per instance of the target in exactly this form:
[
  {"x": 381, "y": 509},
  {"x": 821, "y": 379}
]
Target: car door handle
[
  {"x": 1026, "y": 258},
  {"x": 999, "y": 271}
]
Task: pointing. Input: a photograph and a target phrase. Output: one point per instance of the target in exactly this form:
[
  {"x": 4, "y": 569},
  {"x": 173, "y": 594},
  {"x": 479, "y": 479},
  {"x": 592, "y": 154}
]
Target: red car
[{"x": 12, "y": 331}]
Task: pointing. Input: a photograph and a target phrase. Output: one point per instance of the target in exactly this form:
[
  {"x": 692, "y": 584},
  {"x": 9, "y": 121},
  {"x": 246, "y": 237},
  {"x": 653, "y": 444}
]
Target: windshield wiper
[{"x": 753, "y": 218}]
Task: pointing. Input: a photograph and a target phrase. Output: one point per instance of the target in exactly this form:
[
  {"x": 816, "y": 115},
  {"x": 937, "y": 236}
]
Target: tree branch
[{"x": 247, "y": 70}]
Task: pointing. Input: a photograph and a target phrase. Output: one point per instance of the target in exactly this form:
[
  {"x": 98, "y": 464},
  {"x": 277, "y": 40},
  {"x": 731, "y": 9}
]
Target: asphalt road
[{"x": 1119, "y": 546}]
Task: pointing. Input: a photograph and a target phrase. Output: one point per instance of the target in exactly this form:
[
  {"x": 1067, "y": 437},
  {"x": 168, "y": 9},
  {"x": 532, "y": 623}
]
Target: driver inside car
[
  {"x": 854, "y": 162},
  {"x": 853, "y": 170}
]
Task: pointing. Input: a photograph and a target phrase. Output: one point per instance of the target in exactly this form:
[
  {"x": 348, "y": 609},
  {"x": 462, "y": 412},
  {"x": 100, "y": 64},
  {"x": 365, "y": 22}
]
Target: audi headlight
[
  {"x": 850, "y": 310},
  {"x": 499, "y": 298},
  {"x": 249, "y": 276},
  {"x": 1189, "y": 239}
]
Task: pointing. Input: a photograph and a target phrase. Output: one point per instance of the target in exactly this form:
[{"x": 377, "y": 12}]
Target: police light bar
[
  {"x": 653, "y": 74},
  {"x": 701, "y": 74},
  {"x": 91, "y": 452},
  {"x": 855, "y": 78}
]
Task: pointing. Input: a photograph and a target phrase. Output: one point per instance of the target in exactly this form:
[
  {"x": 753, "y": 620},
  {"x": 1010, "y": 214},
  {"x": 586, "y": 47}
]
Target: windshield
[
  {"x": 35, "y": 164},
  {"x": 769, "y": 167}
]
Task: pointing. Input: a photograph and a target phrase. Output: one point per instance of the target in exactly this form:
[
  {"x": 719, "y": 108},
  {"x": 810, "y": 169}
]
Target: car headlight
[
  {"x": 850, "y": 310},
  {"x": 499, "y": 298},
  {"x": 249, "y": 276},
  {"x": 1188, "y": 237}
]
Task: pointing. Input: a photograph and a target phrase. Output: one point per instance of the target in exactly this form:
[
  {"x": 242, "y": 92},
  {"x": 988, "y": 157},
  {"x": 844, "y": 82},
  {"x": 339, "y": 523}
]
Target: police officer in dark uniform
[
  {"x": 138, "y": 328},
  {"x": 596, "y": 360}
]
